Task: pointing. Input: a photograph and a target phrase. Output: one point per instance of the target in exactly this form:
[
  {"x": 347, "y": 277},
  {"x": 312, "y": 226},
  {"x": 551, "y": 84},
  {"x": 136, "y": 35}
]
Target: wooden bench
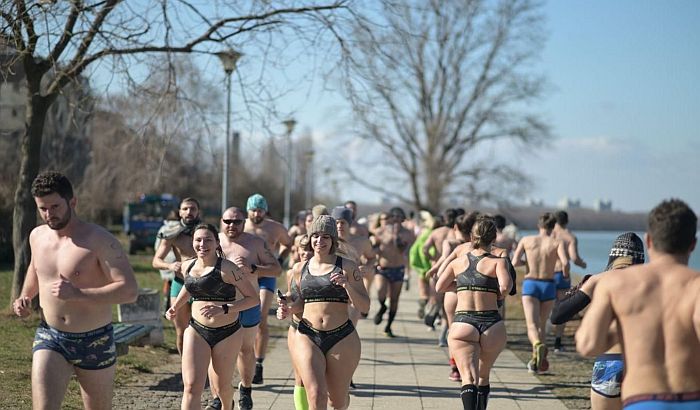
[{"x": 126, "y": 334}]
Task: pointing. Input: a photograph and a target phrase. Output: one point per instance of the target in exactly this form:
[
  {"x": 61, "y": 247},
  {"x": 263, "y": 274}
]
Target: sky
[{"x": 623, "y": 100}]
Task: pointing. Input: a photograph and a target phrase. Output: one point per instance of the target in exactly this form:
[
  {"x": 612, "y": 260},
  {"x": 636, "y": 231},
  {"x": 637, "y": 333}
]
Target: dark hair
[
  {"x": 172, "y": 216},
  {"x": 397, "y": 212},
  {"x": 483, "y": 232},
  {"x": 500, "y": 221},
  {"x": 305, "y": 243},
  {"x": 211, "y": 228},
  {"x": 190, "y": 199},
  {"x": 450, "y": 217},
  {"x": 546, "y": 221},
  {"x": 465, "y": 223},
  {"x": 50, "y": 182},
  {"x": 353, "y": 203},
  {"x": 562, "y": 217},
  {"x": 672, "y": 226}
]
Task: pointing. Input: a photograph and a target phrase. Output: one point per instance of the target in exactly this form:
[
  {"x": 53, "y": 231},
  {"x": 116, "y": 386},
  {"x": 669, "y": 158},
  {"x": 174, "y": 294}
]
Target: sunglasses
[{"x": 233, "y": 221}]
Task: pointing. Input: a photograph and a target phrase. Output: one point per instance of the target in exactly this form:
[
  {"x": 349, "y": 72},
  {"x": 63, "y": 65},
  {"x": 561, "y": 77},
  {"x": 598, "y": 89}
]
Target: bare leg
[
  {"x": 463, "y": 340},
  {"x": 531, "y": 309},
  {"x": 263, "y": 335},
  {"x": 246, "y": 357},
  {"x": 341, "y": 362},
  {"x": 96, "y": 387},
  {"x": 599, "y": 402},
  {"x": 545, "y": 311},
  {"x": 493, "y": 341},
  {"x": 181, "y": 321},
  {"x": 50, "y": 376},
  {"x": 312, "y": 367},
  {"x": 196, "y": 355},
  {"x": 222, "y": 355}
]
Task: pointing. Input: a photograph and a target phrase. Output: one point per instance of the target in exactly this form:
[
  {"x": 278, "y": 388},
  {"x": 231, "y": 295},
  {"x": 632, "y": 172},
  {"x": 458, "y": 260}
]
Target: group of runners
[{"x": 643, "y": 320}]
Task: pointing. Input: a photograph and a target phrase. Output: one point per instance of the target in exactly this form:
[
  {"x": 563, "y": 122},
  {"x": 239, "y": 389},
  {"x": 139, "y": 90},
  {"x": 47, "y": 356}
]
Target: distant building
[
  {"x": 602, "y": 205},
  {"x": 568, "y": 203}
]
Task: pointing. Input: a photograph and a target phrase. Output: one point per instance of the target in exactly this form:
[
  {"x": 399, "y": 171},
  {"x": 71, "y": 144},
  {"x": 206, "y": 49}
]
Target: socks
[
  {"x": 392, "y": 315},
  {"x": 259, "y": 360},
  {"x": 300, "y": 401},
  {"x": 469, "y": 395},
  {"x": 482, "y": 395}
]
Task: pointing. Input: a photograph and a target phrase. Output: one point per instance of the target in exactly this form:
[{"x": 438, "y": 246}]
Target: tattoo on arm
[
  {"x": 116, "y": 250},
  {"x": 356, "y": 275},
  {"x": 236, "y": 277}
]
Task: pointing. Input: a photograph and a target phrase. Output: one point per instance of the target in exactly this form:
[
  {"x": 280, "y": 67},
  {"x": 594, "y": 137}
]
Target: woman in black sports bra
[
  {"x": 477, "y": 334},
  {"x": 212, "y": 282},
  {"x": 325, "y": 334}
]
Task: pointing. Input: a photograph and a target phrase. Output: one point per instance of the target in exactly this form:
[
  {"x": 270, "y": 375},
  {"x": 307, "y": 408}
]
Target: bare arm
[
  {"x": 353, "y": 285},
  {"x": 445, "y": 279},
  {"x": 268, "y": 265},
  {"x": 593, "y": 336},
  {"x": 159, "y": 262},
  {"x": 504, "y": 280},
  {"x": 518, "y": 254},
  {"x": 573, "y": 254},
  {"x": 235, "y": 275},
  {"x": 429, "y": 243},
  {"x": 563, "y": 259},
  {"x": 22, "y": 305}
]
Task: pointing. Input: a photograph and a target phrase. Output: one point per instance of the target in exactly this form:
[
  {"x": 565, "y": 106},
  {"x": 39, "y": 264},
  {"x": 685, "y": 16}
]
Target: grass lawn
[{"x": 17, "y": 335}]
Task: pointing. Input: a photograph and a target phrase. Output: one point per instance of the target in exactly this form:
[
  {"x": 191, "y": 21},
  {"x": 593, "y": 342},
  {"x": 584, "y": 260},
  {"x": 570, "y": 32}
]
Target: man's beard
[
  {"x": 257, "y": 219},
  {"x": 62, "y": 223}
]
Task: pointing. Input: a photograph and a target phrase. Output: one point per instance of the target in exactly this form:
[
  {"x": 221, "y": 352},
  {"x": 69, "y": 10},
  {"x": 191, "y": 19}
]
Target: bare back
[
  {"x": 654, "y": 305},
  {"x": 542, "y": 254}
]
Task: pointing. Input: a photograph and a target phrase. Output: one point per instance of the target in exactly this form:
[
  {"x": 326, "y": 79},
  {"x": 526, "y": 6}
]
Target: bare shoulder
[
  {"x": 99, "y": 237},
  {"x": 348, "y": 265},
  {"x": 500, "y": 252}
]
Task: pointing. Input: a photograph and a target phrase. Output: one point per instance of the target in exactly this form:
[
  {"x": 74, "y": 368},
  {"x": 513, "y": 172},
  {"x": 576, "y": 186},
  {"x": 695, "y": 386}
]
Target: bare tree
[
  {"x": 435, "y": 83},
  {"x": 67, "y": 37}
]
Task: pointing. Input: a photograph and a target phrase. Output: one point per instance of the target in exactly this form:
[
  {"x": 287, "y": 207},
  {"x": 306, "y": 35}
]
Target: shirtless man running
[
  {"x": 79, "y": 270},
  {"x": 539, "y": 291},
  {"x": 561, "y": 232},
  {"x": 654, "y": 312},
  {"x": 179, "y": 241},
  {"x": 256, "y": 253},
  {"x": 279, "y": 242}
]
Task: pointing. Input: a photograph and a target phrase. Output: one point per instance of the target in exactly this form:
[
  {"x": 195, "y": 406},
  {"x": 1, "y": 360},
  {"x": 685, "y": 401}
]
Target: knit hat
[
  {"x": 341, "y": 212},
  {"x": 324, "y": 224},
  {"x": 629, "y": 245},
  {"x": 319, "y": 210},
  {"x": 256, "y": 201}
]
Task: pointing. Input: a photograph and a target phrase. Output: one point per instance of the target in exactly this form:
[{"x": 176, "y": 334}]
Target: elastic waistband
[
  {"x": 179, "y": 280},
  {"x": 609, "y": 356},
  {"x": 96, "y": 332},
  {"x": 230, "y": 325},
  {"x": 326, "y": 332},
  {"x": 477, "y": 312},
  {"x": 392, "y": 268},
  {"x": 668, "y": 397},
  {"x": 539, "y": 280}
]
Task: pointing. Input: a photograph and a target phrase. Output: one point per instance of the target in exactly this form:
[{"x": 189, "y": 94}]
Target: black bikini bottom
[
  {"x": 326, "y": 339},
  {"x": 214, "y": 335},
  {"x": 481, "y": 320}
]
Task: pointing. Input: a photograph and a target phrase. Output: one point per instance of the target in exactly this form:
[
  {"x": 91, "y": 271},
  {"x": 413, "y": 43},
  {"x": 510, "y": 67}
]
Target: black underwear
[
  {"x": 481, "y": 320},
  {"x": 214, "y": 335},
  {"x": 294, "y": 324},
  {"x": 326, "y": 339}
]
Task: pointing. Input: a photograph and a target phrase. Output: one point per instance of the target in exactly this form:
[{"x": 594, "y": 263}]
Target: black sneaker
[
  {"x": 214, "y": 404},
  {"x": 258, "y": 377},
  {"x": 245, "y": 397},
  {"x": 378, "y": 316},
  {"x": 352, "y": 385}
]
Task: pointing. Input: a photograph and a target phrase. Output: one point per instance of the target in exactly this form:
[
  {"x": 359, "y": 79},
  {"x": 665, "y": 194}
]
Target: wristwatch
[
  {"x": 225, "y": 307},
  {"x": 253, "y": 268}
]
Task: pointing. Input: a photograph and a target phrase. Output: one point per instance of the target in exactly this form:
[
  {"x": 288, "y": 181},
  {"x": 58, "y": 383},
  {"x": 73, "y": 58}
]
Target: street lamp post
[
  {"x": 309, "y": 188},
  {"x": 228, "y": 60},
  {"x": 290, "y": 123}
]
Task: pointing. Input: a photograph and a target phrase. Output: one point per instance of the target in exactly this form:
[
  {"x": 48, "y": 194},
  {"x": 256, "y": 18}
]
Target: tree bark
[{"x": 24, "y": 214}]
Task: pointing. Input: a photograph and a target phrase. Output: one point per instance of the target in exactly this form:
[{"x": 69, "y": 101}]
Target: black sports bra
[
  {"x": 475, "y": 281},
  {"x": 210, "y": 286},
  {"x": 320, "y": 288}
]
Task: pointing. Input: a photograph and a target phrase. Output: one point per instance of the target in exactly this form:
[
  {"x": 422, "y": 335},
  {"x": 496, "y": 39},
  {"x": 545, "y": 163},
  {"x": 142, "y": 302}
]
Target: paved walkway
[{"x": 407, "y": 372}]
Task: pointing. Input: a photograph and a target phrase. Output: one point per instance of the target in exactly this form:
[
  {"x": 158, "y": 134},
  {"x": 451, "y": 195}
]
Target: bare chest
[
  {"x": 183, "y": 247},
  {"x": 74, "y": 261}
]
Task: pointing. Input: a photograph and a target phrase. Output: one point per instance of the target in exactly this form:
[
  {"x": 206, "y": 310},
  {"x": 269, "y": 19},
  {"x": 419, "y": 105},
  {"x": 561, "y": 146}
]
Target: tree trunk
[{"x": 24, "y": 215}]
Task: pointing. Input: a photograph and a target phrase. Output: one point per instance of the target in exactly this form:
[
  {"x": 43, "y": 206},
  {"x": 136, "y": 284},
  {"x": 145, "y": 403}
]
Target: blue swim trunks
[
  {"x": 663, "y": 401},
  {"x": 269, "y": 284},
  {"x": 250, "y": 317},
  {"x": 176, "y": 286},
  {"x": 560, "y": 281},
  {"x": 606, "y": 379},
  {"x": 394, "y": 274},
  {"x": 91, "y": 350},
  {"x": 542, "y": 289}
]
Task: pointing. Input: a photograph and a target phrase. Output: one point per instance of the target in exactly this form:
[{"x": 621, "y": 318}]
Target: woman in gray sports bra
[
  {"x": 212, "y": 282},
  {"x": 327, "y": 347},
  {"x": 477, "y": 334}
]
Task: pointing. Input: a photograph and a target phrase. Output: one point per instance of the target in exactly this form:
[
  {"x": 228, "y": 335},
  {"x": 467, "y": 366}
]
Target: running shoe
[
  {"x": 541, "y": 358},
  {"x": 258, "y": 376},
  {"x": 214, "y": 404},
  {"x": 378, "y": 316},
  {"x": 388, "y": 333},
  {"x": 352, "y": 385},
  {"x": 532, "y": 366},
  {"x": 455, "y": 376},
  {"x": 245, "y": 397}
]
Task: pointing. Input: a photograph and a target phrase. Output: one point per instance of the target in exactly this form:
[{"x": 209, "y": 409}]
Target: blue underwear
[
  {"x": 392, "y": 274},
  {"x": 663, "y": 401},
  {"x": 542, "y": 289},
  {"x": 606, "y": 379},
  {"x": 560, "y": 281},
  {"x": 91, "y": 350},
  {"x": 250, "y": 317},
  {"x": 269, "y": 284},
  {"x": 176, "y": 286}
]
